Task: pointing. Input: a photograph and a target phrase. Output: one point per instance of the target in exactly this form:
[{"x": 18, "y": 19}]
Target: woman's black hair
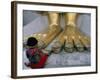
[{"x": 32, "y": 41}]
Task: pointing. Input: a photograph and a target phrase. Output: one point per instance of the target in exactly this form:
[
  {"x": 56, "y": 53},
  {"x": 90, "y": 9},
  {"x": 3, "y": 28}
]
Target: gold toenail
[
  {"x": 44, "y": 35},
  {"x": 73, "y": 37},
  {"x": 65, "y": 37},
  {"x": 79, "y": 37}
]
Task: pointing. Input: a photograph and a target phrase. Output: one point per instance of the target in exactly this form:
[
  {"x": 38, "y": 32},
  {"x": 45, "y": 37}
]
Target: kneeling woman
[{"x": 37, "y": 58}]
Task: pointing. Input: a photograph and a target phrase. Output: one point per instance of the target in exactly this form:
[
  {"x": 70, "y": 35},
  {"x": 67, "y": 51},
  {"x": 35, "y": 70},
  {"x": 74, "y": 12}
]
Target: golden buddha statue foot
[
  {"x": 74, "y": 38},
  {"x": 44, "y": 38}
]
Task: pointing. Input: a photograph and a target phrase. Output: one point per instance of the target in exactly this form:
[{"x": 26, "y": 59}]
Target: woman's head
[{"x": 31, "y": 42}]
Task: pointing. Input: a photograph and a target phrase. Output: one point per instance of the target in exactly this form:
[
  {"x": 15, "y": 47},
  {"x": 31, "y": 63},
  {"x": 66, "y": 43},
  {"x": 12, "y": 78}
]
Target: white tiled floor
[{"x": 65, "y": 59}]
